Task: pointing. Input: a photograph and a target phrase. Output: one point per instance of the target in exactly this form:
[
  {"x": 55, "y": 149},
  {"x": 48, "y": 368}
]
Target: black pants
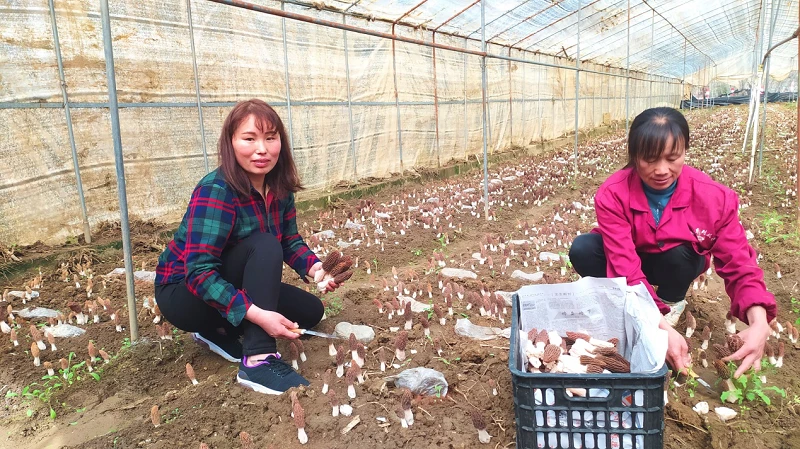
[
  {"x": 672, "y": 271},
  {"x": 254, "y": 265}
]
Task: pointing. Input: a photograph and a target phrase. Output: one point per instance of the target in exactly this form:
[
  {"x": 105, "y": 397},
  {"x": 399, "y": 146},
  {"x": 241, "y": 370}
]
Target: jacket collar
[{"x": 680, "y": 198}]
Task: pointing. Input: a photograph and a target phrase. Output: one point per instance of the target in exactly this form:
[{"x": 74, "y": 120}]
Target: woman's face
[
  {"x": 663, "y": 171},
  {"x": 256, "y": 151}
]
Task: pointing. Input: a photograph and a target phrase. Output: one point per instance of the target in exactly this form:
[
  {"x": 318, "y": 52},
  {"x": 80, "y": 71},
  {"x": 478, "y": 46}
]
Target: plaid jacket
[{"x": 217, "y": 219}]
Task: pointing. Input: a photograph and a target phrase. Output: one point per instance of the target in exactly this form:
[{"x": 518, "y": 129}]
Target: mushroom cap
[
  {"x": 578, "y": 335},
  {"x": 477, "y": 420},
  {"x": 405, "y": 399},
  {"x": 615, "y": 364},
  {"x": 722, "y": 351},
  {"x": 706, "y": 335},
  {"x": 551, "y": 353},
  {"x": 401, "y": 340},
  {"x": 594, "y": 369},
  {"x": 735, "y": 342},
  {"x": 542, "y": 337},
  {"x": 331, "y": 261},
  {"x": 690, "y": 321},
  {"x": 299, "y": 415},
  {"x": 722, "y": 369}
]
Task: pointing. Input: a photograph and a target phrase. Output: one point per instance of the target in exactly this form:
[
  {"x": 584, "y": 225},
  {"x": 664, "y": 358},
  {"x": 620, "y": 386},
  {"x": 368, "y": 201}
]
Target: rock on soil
[
  {"x": 66, "y": 331},
  {"x": 459, "y": 273},
  {"x": 364, "y": 334},
  {"x": 37, "y": 312},
  {"x": 465, "y": 328},
  {"x": 530, "y": 277}
]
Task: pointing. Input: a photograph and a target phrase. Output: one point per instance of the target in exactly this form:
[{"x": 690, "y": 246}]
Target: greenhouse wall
[{"x": 339, "y": 134}]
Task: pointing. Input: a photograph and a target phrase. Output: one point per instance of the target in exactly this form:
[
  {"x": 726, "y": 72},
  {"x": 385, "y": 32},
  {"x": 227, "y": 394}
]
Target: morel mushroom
[
  {"x": 155, "y": 417},
  {"x": 407, "y": 313},
  {"x": 382, "y": 358},
  {"x": 64, "y": 367},
  {"x": 334, "y": 403},
  {"x": 705, "y": 336},
  {"x": 361, "y": 355},
  {"x": 37, "y": 337},
  {"x": 781, "y": 350},
  {"x": 326, "y": 380},
  {"x": 300, "y": 422},
  {"x": 426, "y": 326},
  {"x": 294, "y": 354},
  {"x": 439, "y": 314},
  {"x": 334, "y": 268},
  {"x": 691, "y": 324},
  {"x": 730, "y": 323},
  {"x": 190, "y": 374},
  {"x": 703, "y": 359},
  {"x": 405, "y": 403},
  {"x": 117, "y": 324},
  {"x": 437, "y": 346},
  {"x": 340, "y": 355},
  {"x": 769, "y": 351},
  {"x": 378, "y": 304},
  {"x": 493, "y": 385},
  {"x": 105, "y": 356},
  {"x": 35, "y": 354},
  {"x": 480, "y": 423},
  {"x": 49, "y": 367},
  {"x": 14, "y": 337},
  {"x": 400, "y": 345},
  {"x": 725, "y": 374},
  {"x": 350, "y": 378}
]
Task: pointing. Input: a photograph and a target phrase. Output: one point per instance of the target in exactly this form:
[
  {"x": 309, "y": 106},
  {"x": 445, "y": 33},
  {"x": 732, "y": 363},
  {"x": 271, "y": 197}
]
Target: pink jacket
[{"x": 702, "y": 213}]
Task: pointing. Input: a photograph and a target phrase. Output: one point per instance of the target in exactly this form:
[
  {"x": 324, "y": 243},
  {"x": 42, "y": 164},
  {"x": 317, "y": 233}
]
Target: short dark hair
[
  {"x": 651, "y": 130},
  {"x": 283, "y": 178}
]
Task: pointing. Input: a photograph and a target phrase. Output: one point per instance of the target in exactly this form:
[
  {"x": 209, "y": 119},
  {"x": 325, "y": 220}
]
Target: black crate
[{"x": 630, "y": 415}]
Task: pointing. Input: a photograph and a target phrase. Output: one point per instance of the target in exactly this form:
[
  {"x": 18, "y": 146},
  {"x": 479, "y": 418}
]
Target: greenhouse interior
[{"x": 442, "y": 166}]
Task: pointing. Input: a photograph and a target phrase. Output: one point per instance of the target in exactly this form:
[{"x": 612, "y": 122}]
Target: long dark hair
[
  {"x": 283, "y": 178},
  {"x": 650, "y": 132}
]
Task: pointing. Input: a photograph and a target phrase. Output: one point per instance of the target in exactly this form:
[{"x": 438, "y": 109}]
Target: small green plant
[
  {"x": 691, "y": 386},
  {"x": 773, "y": 227},
  {"x": 749, "y": 387},
  {"x": 442, "y": 241},
  {"x": 417, "y": 252},
  {"x": 333, "y": 306},
  {"x": 438, "y": 390}
]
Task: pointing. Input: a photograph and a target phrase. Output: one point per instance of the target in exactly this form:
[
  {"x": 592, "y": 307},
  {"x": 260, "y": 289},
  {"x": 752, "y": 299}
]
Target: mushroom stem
[
  {"x": 483, "y": 436},
  {"x": 301, "y": 435}
]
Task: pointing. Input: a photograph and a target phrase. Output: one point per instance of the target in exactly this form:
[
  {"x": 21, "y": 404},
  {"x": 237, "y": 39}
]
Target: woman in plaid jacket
[{"x": 220, "y": 276}]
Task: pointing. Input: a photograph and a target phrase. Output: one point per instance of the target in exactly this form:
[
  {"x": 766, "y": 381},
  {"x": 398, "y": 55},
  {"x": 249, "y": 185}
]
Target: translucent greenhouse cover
[{"x": 718, "y": 35}]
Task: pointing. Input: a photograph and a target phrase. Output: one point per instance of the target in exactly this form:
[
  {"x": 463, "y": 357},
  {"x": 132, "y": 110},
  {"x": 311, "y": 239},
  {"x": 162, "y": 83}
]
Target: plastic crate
[{"x": 624, "y": 411}]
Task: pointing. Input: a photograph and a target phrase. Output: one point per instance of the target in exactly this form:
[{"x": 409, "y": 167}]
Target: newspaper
[{"x": 603, "y": 308}]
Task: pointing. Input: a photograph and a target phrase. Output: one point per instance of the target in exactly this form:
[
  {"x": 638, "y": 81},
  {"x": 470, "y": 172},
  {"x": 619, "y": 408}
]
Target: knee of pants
[
  {"x": 263, "y": 243},
  {"x": 585, "y": 246}
]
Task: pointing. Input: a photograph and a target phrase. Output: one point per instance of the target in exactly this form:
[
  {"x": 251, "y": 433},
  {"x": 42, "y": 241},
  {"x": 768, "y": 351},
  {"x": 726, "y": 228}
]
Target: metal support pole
[
  {"x": 577, "y": 84},
  {"x": 652, "y": 45},
  {"x": 466, "y": 121},
  {"x": 120, "y": 166},
  {"x": 510, "y": 100},
  {"x": 349, "y": 102},
  {"x": 397, "y": 102},
  {"x": 197, "y": 86},
  {"x": 286, "y": 78},
  {"x": 774, "y": 18},
  {"x": 525, "y": 139},
  {"x": 539, "y": 108},
  {"x": 485, "y": 113},
  {"x": 628, "y": 72},
  {"x": 436, "y": 105},
  {"x": 87, "y": 235}
]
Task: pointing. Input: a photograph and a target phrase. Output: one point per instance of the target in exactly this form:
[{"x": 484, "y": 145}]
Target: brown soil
[{"x": 115, "y": 411}]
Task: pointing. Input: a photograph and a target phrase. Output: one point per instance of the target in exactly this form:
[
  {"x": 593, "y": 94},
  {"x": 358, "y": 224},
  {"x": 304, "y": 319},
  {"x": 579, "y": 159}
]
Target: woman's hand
[
  {"x": 313, "y": 272},
  {"x": 754, "y": 337},
  {"x": 677, "y": 350},
  {"x": 273, "y": 323}
]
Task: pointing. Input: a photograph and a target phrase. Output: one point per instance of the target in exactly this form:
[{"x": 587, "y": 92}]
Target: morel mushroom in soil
[
  {"x": 300, "y": 422},
  {"x": 405, "y": 403},
  {"x": 190, "y": 374},
  {"x": 480, "y": 424},
  {"x": 400, "y": 345}
]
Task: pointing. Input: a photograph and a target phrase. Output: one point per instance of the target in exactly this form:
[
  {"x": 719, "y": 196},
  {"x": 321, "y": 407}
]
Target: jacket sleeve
[
  {"x": 210, "y": 219},
  {"x": 295, "y": 251},
  {"x": 735, "y": 262},
  {"x": 621, "y": 257}
]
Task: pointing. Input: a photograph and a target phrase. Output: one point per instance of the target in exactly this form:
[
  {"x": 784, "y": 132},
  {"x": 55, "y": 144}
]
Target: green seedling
[
  {"x": 333, "y": 306},
  {"x": 749, "y": 387}
]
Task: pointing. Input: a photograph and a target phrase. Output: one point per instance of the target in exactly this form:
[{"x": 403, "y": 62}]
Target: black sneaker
[
  {"x": 230, "y": 348},
  {"x": 270, "y": 376}
]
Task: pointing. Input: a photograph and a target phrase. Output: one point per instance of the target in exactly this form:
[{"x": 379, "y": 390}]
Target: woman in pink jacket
[{"x": 660, "y": 221}]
